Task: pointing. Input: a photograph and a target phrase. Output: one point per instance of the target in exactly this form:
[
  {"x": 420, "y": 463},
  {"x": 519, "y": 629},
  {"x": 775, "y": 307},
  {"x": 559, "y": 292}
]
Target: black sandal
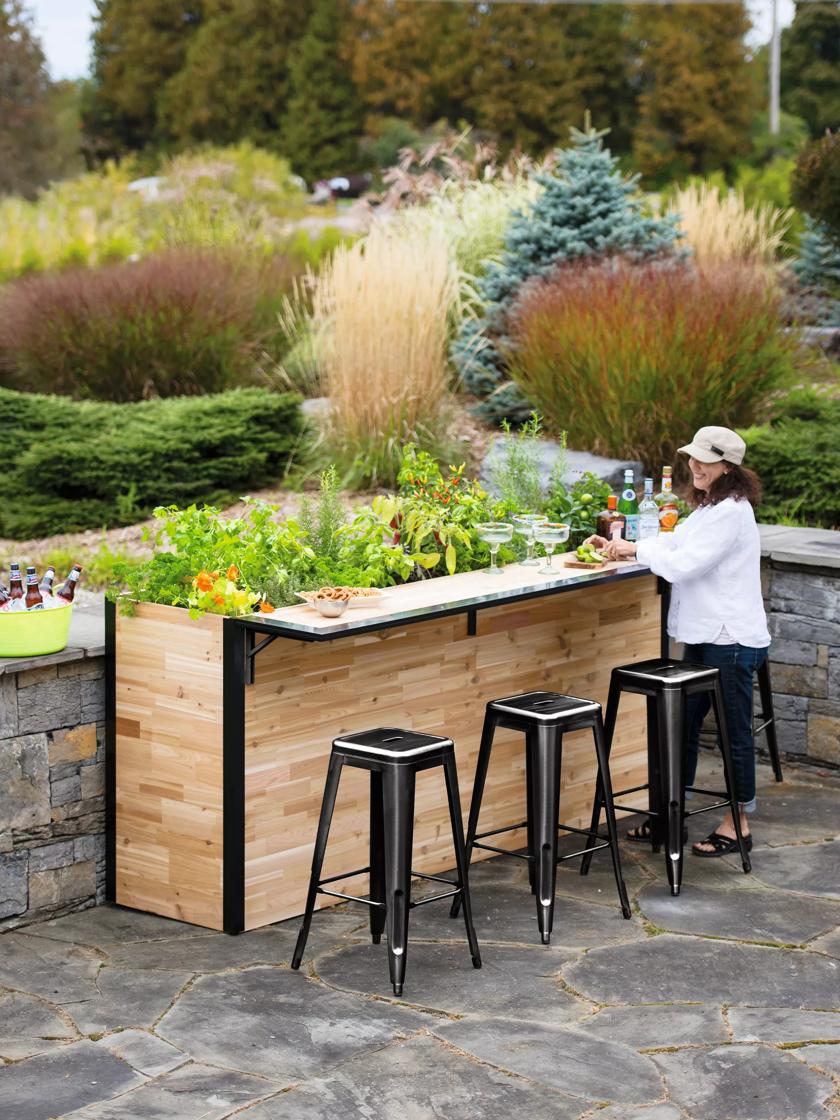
[
  {"x": 721, "y": 845},
  {"x": 640, "y": 834}
]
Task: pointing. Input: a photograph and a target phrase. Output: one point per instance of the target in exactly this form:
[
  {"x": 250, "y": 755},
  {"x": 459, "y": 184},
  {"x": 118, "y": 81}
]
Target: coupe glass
[
  {"x": 526, "y": 524},
  {"x": 494, "y": 533},
  {"x": 550, "y": 534}
]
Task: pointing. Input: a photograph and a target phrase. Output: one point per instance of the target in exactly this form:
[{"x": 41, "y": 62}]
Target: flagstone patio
[{"x": 722, "y": 1004}]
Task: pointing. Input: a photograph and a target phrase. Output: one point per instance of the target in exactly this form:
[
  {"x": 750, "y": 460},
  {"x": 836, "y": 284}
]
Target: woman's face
[{"x": 704, "y": 474}]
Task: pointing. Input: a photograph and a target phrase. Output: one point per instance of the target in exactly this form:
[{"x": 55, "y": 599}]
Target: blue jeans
[{"x": 737, "y": 665}]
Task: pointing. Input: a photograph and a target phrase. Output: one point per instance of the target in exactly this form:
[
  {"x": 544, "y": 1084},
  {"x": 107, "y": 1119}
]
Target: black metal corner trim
[
  {"x": 663, "y": 589},
  {"x": 110, "y": 751},
  {"x": 234, "y": 659}
]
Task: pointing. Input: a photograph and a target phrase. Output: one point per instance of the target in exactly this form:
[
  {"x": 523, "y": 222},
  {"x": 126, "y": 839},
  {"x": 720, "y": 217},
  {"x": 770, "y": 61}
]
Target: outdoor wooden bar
[{"x": 219, "y": 729}]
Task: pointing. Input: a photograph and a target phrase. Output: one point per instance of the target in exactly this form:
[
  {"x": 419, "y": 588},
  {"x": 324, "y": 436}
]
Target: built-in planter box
[{"x": 220, "y": 729}]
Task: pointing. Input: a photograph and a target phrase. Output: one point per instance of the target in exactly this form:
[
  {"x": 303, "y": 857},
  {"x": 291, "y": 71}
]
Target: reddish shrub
[
  {"x": 182, "y": 322},
  {"x": 630, "y": 360}
]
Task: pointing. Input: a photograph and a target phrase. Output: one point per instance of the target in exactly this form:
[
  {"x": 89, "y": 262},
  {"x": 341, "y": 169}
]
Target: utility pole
[{"x": 775, "y": 69}]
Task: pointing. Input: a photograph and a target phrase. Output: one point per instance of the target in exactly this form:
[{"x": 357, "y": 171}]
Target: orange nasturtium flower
[
  {"x": 204, "y": 581},
  {"x": 232, "y": 572},
  {"x": 266, "y": 608},
  {"x": 219, "y": 599}
]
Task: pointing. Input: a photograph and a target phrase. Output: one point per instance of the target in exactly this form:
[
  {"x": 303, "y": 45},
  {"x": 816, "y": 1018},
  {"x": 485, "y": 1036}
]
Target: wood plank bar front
[{"x": 218, "y": 783}]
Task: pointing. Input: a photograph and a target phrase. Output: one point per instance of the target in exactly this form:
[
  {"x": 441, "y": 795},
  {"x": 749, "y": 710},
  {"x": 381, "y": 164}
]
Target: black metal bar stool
[
  {"x": 544, "y": 717},
  {"x": 666, "y": 683},
  {"x": 394, "y": 758},
  {"x": 767, "y": 720}
]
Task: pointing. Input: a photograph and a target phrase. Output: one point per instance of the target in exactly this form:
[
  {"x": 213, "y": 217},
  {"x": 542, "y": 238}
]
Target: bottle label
[
  {"x": 631, "y": 532},
  {"x": 615, "y": 530},
  {"x": 648, "y": 527},
  {"x": 668, "y": 519}
]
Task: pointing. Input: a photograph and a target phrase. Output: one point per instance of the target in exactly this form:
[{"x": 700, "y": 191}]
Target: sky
[{"x": 65, "y": 26}]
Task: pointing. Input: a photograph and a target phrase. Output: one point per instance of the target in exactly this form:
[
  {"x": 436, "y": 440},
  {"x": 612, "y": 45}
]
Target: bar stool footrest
[{"x": 349, "y": 897}]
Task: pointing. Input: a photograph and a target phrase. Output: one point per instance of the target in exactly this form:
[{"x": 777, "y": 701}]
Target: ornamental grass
[
  {"x": 630, "y": 360},
  {"x": 381, "y": 310},
  {"x": 720, "y": 226}
]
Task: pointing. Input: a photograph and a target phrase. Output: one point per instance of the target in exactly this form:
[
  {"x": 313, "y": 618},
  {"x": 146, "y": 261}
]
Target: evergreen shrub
[
  {"x": 91, "y": 464},
  {"x": 179, "y": 323},
  {"x": 587, "y": 209},
  {"x": 630, "y": 360},
  {"x": 797, "y": 461}
]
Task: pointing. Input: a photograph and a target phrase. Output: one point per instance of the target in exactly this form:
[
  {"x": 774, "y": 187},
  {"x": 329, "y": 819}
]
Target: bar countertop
[{"x": 436, "y": 598}]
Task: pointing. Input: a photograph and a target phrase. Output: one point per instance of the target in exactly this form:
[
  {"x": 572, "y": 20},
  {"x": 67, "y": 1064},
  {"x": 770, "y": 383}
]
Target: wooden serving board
[{"x": 580, "y": 564}]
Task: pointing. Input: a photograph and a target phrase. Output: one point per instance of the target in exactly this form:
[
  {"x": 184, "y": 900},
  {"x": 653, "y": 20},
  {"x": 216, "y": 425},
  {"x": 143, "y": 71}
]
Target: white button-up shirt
[{"x": 713, "y": 560}]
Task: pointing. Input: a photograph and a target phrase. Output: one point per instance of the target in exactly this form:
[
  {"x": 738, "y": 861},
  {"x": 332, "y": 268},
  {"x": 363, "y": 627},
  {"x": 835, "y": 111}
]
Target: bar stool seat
[
  {"x": 394, "y": 757},
  {"x": 544, "y": 717},
  {"x": 666, "y": 682}
]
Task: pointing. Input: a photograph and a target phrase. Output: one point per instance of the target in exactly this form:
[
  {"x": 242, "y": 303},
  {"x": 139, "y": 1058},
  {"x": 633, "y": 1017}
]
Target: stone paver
[
  {"x": 62, "y": 1081},
  {"x": 571, "y": 1061},
  {"x": 193, "y": 1092},
  {"x": 515, "y": 982},
  {"x": 745, "y": 1083},
  {"x": 111, "y": 1014},
  {"x": 279, "y": 1024},
  {"x": 672, "y": 968},
  {"x": 391, "y": 1084},
  {"x": 740, "y": 915},
  {"x": 805, "y": 868},
  {"x": 770, "y": 1024}
]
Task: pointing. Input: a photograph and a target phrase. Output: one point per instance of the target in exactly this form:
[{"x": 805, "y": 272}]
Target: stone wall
[
  {"x": 803, "y": 609},
  {"x": 52, "y": 789}
]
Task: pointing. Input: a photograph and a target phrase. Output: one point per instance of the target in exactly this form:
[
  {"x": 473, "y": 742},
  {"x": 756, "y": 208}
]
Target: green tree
[
  {"x": 816, "y": 181},
  {"x": 27, "y": 132},
  {"x": 138, "y": 45},
  {"x": 810, "y": 78},
  {"x": 587, "y": 209},
  {"x": 234, "y": 82},
  {"x": 322, "y": 125},
  {"x": 696, "y": 93}
]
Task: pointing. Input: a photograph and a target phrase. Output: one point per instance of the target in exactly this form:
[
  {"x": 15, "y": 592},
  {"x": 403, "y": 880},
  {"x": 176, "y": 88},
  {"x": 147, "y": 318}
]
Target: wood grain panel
[
  {"x": 169, "y": 764},
  {"x": 430, "y": 676}
]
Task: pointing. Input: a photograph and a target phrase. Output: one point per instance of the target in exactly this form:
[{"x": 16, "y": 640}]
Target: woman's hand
[
  {"x": 618, "y": 549},
  {"x": 599, "y": 543}
]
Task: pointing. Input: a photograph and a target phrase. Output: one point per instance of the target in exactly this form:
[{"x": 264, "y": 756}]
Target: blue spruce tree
[
  {"x": 587, "y": 209},
  {"x": 818, "y": 263}
]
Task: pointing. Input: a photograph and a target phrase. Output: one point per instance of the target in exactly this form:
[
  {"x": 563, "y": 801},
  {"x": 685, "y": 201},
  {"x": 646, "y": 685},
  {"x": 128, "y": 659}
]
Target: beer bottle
[
  {"x": 33, "y": 599},
  {"x": 46, "y": 584},
  {"x": 15, "y": 582},
  {"x": 68, "y": 589}
]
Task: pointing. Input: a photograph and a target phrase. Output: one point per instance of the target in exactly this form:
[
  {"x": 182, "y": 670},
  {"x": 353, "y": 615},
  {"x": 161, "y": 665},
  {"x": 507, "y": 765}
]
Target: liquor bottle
[
  {"x": 669, "y": 514},
  {"x": 33, "y": 599},
  {"x": 15, "y": 582},
  {"x": 648, "y": 513},
  {"x": 4, "y": 597},
  {"x": 611, "y": 523},
  {"x": 628, "y": 505},
  {"x": 68, "y": 589},
  {"x": 46, "y": 584}
]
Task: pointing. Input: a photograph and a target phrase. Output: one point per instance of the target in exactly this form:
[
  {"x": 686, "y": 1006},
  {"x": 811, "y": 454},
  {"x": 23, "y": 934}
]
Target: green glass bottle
[{"x": 629, "y": 506}]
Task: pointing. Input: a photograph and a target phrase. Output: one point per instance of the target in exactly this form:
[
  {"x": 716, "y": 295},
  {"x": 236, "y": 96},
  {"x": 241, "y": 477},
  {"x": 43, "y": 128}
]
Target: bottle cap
[{"x": 612, "y": 501}]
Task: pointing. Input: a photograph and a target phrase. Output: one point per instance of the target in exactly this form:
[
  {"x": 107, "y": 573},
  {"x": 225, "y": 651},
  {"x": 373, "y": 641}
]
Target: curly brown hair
[{"x": 737, "y": 482}]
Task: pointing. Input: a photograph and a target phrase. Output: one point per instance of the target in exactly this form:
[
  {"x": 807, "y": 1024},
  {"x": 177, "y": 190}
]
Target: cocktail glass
[
  {"x": 550, "y": 534},
  {"x": 494, "y": 533},
  {"x": 526, "y": 523}
]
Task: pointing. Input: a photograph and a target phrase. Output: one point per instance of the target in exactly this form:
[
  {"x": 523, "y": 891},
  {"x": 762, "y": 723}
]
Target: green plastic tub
[{"x": 32, "y": 633}]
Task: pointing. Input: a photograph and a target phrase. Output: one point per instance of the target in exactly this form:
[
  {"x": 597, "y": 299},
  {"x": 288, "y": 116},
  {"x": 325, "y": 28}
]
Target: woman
[{"x": 712, "y": 559}]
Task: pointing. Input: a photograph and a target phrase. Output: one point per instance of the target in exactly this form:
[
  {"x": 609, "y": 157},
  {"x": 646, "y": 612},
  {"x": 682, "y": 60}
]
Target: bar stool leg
[
  {"x": 671, "y": 729},
  {"x": 729, "y": 773},
  {"x": 398, "y": 799},
  {"x": 657, "y": 795},
  {"x": 484, "y": 751},
  {"x": 547, "y": 747},
  {"x": 377, "y": 857},
  {"x": 454, "y": 797},
  {"x": 768, "y": 718},
  {"x": 609, "y": 731},
  {"x": 612, "y": 831},
  {"x": 327, "y": 806},
  {"x": 529, "y": 816}
]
